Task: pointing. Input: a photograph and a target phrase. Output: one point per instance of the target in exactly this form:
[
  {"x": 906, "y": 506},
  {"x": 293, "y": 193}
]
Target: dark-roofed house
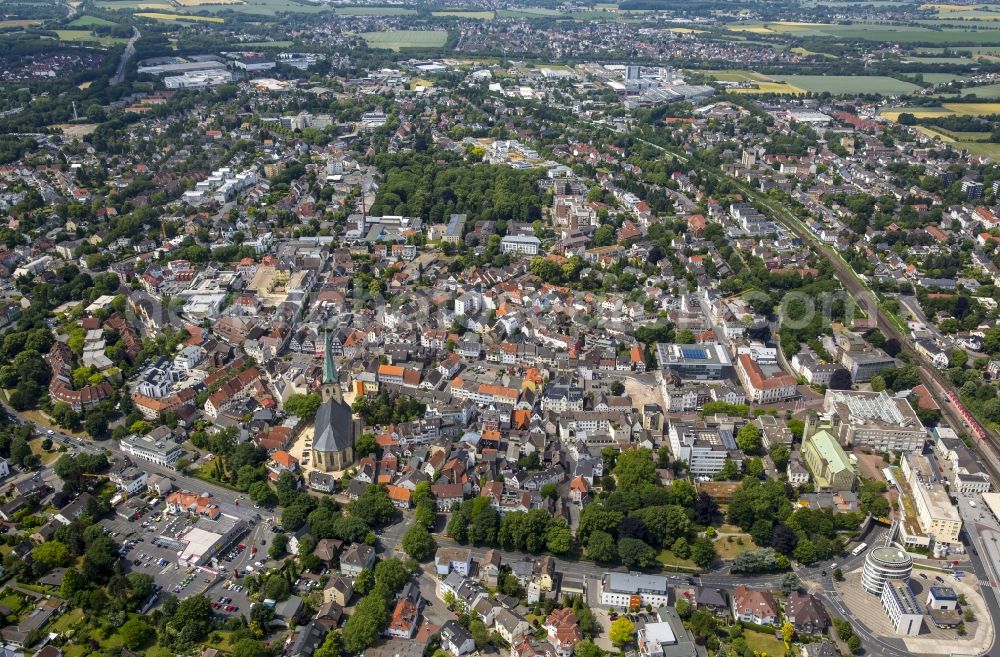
[
  {"x": 356, "y": 558},
  {"x": 74, "y": 509},
  {"x": 712, "y": 599},
  {"x": 456, "y": 639},
  {"x": 806, "y": 613},
  {"x": 307, "y": 639}
]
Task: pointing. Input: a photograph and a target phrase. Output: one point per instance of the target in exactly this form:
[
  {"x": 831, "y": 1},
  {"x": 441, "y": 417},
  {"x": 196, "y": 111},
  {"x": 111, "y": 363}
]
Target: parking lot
[{"x": 146, "y": 549}]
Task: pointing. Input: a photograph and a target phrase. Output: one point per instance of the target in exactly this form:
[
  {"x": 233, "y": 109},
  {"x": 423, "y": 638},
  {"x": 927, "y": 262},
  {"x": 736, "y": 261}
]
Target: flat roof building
[
  {"x": 883, "y": 564},
  {"x": 633, "y": 590},
  {"x": 875, "y": 420},
  {"x": 902, "y": 608},
  {"x": 694, "y": 362},
  {"x": 937, "y": 516}
]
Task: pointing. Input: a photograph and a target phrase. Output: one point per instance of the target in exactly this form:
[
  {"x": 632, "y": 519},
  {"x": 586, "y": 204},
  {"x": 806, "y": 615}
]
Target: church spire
[{"x": 329, "y": 367}]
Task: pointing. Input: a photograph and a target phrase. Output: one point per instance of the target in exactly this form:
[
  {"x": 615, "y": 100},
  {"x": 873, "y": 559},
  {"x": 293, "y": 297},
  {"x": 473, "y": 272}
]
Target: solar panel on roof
[{"x": 693, "y": 353}]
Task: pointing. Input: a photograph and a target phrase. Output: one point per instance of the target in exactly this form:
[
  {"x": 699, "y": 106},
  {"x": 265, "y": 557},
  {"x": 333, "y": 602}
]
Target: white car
[{"x": 259, "y": 564}]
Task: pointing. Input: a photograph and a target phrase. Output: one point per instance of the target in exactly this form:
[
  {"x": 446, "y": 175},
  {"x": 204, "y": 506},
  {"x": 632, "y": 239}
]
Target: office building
[
  {"x": 524, "y": 244},
  {"x": 937, "y": 516},
  {"x": 762, "y": 388},
  {"x": 902, "y": 608},
  {"x": 874, "y": 420},
  {"x": 968, "y": 475},
  {"x": 694, "y": 362},
  {"x": 667, "y": 637},
  {"x": 633, "y": 590},
  {"x": 704, "y": 448},
  {"x": 866, "y": 363},
  {"x": 883, "y": 564},
  {"x": 156, "y": 447}
]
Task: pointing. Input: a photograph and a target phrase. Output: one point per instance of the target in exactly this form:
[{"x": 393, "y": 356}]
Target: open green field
[
  {"x": 849, "y": 84},
  {"x": 267, "y": 44},
  {"x": 969, "y": 141},
  {"x": 397, "y": 39},
  {"x": 171, "y": 18},
  {"x": 87, "y": 35},
  {"x": 871, "y": 32},
  {"x": 471, "y": 15},
  {"x": 939, "y": 60},
  {"x": 528, "y": 12},
  {"x": 946, "y": 109},
  {"x": 984, "y": 91},
  {"x": 133, "y": 4},
  {"x": 374, "y": 11},
  {"x": 941, "y": 78},
  {"x": 764, "y": 644},
  {"x": 90, "y": 21}
]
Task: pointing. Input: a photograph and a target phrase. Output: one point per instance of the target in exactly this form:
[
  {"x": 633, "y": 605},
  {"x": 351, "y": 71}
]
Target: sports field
[
  {"x": 397, "y": 39},
  {"x": 849, "y": 84}
]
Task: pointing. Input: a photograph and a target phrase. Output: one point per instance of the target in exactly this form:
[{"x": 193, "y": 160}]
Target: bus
[{"x": 858, "y": 550}]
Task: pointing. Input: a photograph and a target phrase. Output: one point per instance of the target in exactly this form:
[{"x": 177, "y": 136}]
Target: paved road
[{"x": 126, "y": 55}]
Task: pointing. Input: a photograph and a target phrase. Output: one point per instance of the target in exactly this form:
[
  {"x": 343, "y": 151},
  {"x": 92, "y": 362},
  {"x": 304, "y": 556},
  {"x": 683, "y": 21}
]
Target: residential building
[
  {"x": 761, "y": 388},
  {"x": 633, "y": 590},
  {"x": 938, "y": 517},
  {"x": 806, "y": 613},
  {"x": 456, "y": 639},
  {"x": 356, "y": 558},
  {"x": 753, "y": 606}
]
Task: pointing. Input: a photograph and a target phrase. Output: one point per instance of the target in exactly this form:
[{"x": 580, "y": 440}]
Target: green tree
[
  {"x": 601, "y": 547},
  {"x": 418, "y": 543},
  {"x": 621, "y": 632},
  {"x": 635, "y": 553},
  {"x": 304, "y": 405},
  {"x": 136, "y": 633},
  {"x": 749, "y": 439},
  {"x": 634, "y": 468},
  {"x": 52, "y": 554}
]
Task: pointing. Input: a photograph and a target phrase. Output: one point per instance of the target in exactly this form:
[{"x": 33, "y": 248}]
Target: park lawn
[
  {"x": 91, "y": 21},
  {"x": 398, "y": 39},
  {"x": 374, "y": 11},
  {"x": 764, "y": 643},
  {"x": 727, "y": 550},
  {"x": 155, "y": 15},
  {"x": 47, "y": 457},
  {"x": 849, "y": 84},
  {"x": 67, "y": 621},
  {"x": 671, "y": 560},
  {"x": 472, "y": 15}
]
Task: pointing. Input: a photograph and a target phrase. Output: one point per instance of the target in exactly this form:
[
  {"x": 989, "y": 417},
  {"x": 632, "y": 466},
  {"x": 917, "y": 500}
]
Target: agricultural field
[
  {"x": 18, "y": 22},
  {"x": 528, "y": 12},
  {"x": 984, "y": 91},
  {"x": 267, "y": 44},
  {"x": 761, "y": 84},
  {"x": 91, "y": 21},
  {"x": 470, "y": 15},
  {"x": 685, "y": 30},
  {"x": 946, "y": 109},
  {"x": 87, "y": 35},
  {"x": 810, "y": 53},
  {"x": 374, "y": 11},
  {"x": 133, "y": 4},
  {"x": 941, "y": 78},
  {"x": 768, "y": 88},
  {"x": 157, "y": 16},
  {"x": 970, "y": 141},
  {"x": 939, "y": 60},
  {"x": 398, "y": 39},
  {"x": 871, "y": 32},
  {"x": 849, "y": 84},
  {"x": 201, "y": 3}
]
